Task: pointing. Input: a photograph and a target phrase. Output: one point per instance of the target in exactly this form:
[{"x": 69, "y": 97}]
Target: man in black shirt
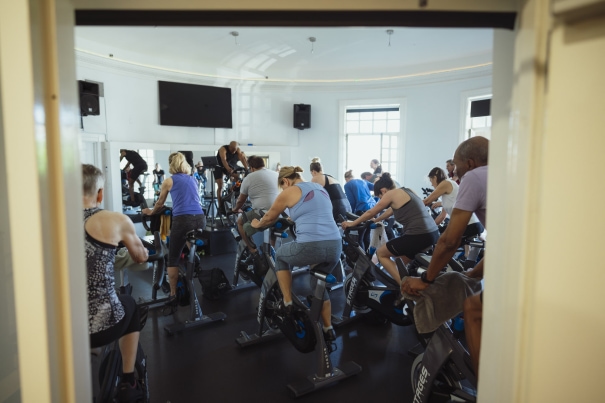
[
  {"x": 138, "y": 167},
  {"x": 227, "y": 157}
]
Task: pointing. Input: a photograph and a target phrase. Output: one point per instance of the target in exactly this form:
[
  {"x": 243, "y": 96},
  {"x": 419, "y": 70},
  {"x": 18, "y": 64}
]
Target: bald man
[
  {"x": 227, "y": 157},
  {"x": 471, "y": 167}
]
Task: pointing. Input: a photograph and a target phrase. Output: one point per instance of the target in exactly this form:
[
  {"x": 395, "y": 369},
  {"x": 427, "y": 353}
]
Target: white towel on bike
[{"x": 442, "y": 300}]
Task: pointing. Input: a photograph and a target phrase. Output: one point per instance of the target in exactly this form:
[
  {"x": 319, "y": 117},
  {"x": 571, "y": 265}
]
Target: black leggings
[{"x": 130, "y": 323}]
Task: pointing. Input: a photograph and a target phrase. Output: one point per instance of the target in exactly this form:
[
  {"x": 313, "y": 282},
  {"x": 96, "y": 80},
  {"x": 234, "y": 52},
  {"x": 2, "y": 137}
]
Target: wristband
[{"x": 424, "y": 279}]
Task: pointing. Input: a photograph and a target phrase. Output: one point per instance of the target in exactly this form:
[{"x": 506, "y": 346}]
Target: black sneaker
[
  {"x": 329, "y": 335},
  {"x": 171, "y": 305},
  {"x": 128, "y": 393}
]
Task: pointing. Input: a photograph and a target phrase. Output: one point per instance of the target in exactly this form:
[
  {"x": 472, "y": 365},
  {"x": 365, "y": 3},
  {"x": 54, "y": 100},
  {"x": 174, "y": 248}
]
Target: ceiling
[{"x": 287, "y": 53}]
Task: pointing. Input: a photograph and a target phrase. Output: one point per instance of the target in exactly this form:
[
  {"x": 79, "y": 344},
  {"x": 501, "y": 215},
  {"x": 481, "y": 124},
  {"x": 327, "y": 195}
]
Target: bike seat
[
  {"x": 423, "y": 259},
  {"x": 196, "y": 234}
]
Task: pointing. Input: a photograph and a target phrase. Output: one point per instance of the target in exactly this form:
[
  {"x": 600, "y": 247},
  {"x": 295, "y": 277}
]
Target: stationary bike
[
  {"x": 245, "y": 266},
  {"x": 106, "y": 361},
  {"x": 302, "y": 328},
  {"x": 369, "y": 288},
  {"x": 443, "y": 371},
  {"x": 159, "y": 281},
  {"x": 139, "y": 197},
  {"x": 196, "y": 317}
]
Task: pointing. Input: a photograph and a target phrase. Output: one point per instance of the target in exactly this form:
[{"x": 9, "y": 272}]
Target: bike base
[
  {"x": 187, "y": 325},
  {"x": 245, "y": 339},
  {"x": 313, "y": 382}
]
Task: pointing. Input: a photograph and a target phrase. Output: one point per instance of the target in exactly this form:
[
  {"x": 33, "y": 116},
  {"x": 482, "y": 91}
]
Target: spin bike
[
  {"x": 196, "y": 317},
  {"x": 443, "y": 371},
  {"x": 244, "y": 261},
  {"x": 159, "y": 281},
  {"x": 106, "y": 361},
  {"x": 139, "y": 197},
  {"x": 302, "y": 327},
  {"x": 368, "y": 288}
]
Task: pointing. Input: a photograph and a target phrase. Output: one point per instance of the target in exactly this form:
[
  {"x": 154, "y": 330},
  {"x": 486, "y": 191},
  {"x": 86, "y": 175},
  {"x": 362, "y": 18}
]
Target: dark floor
[{"x": 207, "y": 365}]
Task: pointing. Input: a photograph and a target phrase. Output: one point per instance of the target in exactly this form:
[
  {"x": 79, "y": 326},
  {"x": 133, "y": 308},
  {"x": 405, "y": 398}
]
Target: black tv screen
[{"x": 194, "y": 105}]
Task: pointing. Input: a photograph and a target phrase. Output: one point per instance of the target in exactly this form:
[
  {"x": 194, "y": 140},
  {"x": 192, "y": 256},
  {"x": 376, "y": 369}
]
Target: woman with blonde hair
[
  {"x": 340, "y": 203},
  {"x": 187, "y": 214},
  {"x": 317, "y": 236}
]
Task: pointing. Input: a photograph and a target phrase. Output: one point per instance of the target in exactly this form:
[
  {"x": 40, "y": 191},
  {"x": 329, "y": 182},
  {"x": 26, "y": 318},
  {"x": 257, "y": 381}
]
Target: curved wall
[{"x": 262, "y": 115}]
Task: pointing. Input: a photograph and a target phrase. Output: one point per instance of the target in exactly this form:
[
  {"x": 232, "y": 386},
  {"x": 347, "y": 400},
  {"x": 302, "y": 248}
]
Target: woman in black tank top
[
  {"x": 419, "y": 229},
  {"x": 340, "y": 203}
]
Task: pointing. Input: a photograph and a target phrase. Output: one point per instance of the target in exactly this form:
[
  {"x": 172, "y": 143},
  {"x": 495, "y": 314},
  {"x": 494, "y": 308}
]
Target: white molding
[{"x": 97, "y": 62}]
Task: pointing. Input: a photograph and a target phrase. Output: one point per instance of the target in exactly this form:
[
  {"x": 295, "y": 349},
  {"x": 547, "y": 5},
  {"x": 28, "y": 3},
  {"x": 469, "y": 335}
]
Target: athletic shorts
[
  {"x": 130, "y": 323},
  {"x": 137, "y": 170},
  {"x": 220, "y": 172},
  {"x": 410, "y": 245},
  {"x": 247, "y": 218}
]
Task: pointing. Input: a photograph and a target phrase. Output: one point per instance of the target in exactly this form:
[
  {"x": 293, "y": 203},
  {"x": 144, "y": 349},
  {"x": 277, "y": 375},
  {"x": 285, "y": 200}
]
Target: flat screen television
[{"x": 194, "y": 105}]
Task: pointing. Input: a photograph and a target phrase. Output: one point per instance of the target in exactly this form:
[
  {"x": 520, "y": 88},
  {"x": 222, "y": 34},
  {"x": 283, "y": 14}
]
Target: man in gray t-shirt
[
  {"x": 260, "y": 186},
  {"x": 471, "y": 167}
]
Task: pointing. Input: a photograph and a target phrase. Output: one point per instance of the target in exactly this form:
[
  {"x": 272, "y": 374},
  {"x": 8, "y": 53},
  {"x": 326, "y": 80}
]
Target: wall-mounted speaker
[
  {"x": 89, "y": 98},
  {"x": 302, "y": 116}
]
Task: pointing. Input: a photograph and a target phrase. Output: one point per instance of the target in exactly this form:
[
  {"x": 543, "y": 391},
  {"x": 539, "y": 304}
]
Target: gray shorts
[
  {"x": 247, "y": 218},
  {"x": 309, "y": 253}
]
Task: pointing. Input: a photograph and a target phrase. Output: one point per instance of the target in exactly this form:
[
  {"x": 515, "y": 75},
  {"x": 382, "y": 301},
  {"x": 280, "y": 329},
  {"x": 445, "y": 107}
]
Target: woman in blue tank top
[
  {"x": 419, "y": 229},
  {"x": 187, "y": 215},
  {"x": 318, "y": 239}
]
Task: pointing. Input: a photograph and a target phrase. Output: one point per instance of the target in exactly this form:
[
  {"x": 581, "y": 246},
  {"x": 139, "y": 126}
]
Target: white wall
[{"x": 262, "y": 116}]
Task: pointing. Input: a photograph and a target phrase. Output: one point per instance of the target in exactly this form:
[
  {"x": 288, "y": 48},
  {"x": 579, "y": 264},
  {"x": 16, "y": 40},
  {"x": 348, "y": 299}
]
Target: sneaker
[
  {"x": 329, "y": 335},
  {"x": 128, "y": 393},
  {"x": 171, "y": 305}
]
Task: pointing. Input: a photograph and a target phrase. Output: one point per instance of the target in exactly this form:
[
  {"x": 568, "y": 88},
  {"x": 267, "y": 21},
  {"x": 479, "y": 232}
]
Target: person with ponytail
[
  {"x": 447, "y": 189},
  {"x": 187, "y": 215},
  {"x": 419, "y": 229},
  {"x": 340, "y": 203},
  {"x": 317, "y": 241}
]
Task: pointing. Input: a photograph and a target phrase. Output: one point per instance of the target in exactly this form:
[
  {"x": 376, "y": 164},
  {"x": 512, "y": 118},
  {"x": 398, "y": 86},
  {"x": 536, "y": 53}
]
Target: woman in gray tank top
[
  {"x": 318, "y": 239},
  {"x": 419, "y": 229}
]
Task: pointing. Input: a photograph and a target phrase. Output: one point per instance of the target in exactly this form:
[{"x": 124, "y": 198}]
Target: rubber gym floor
[{"x": 207, "y": 365}]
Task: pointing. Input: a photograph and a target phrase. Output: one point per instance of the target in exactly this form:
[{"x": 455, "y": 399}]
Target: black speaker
[
  {"x": 302, "y": 116},
  {"x": 89, "y": 98}
]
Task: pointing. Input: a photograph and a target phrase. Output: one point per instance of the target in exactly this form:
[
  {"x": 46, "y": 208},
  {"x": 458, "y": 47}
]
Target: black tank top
[
  {"x": 340, "y": 203},
  {"x": 231, "y": 158},
  {"x": 334, "y": 190}
]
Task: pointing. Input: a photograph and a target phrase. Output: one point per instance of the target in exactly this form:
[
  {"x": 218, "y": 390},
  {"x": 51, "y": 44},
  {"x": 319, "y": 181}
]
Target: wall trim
[{"x": 125, "y": 67}]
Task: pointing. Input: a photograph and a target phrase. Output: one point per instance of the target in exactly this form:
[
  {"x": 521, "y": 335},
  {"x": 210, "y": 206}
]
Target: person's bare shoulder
[{"x": 106, "y": 226}]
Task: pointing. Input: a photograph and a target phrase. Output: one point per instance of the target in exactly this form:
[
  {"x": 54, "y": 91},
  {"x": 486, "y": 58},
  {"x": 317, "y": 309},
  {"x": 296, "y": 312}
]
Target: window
[
  {"x": 372, "y": 133},
  {"x": 478, "y": 117}
]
